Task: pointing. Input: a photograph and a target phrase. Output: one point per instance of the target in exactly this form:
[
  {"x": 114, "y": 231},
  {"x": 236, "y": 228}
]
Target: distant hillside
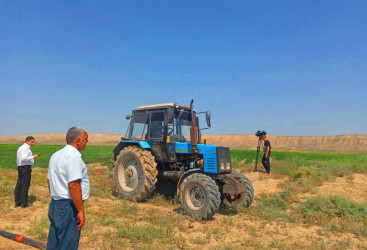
[{"x": 337, "y": 143}]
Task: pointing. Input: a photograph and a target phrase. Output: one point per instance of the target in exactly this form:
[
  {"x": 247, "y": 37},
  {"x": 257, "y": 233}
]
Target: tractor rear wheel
[
  {"x": 135, "y": 173},
  {"x": 199, "y": 196},
  {"x": 242, "y": 199}
]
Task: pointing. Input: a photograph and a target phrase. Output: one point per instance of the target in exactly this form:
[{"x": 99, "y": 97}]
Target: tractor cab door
[
  {"x": 157, "y": 135},
  {"x": 170, "y": 142}
]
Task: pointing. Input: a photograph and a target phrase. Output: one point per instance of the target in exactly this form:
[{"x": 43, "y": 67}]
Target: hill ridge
[{"x": 334, "y": 143}]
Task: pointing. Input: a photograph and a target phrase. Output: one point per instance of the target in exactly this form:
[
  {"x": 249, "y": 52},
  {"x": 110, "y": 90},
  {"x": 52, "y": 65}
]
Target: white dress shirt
[
  {"x": 24, "y": 155},
  {"x": 67, "y": 165}
]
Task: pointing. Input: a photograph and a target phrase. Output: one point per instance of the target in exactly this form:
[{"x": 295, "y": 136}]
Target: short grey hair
[{"x": 73, "y": 133}]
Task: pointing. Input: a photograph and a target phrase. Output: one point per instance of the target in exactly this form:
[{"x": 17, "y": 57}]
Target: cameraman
[{"x": 267, "y": 151}]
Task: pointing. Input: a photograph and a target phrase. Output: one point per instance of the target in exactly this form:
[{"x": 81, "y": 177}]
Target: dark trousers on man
[
  {"x": 22, "y": 187},
  {"x": 64, "y": 233},
  {"x": 266, "y": 163}
]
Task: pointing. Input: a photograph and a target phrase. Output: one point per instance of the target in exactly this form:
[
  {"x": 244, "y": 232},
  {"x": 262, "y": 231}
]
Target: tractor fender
[
  {"x": 184, "y": 176},
  {"x": 125, "y": 143}
]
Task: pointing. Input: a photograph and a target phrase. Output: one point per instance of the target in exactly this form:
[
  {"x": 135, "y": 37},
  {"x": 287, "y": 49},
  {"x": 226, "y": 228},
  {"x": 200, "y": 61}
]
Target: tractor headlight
[
  {"x": 222, "y": 166},
  {"x": 228, "y": 166}
]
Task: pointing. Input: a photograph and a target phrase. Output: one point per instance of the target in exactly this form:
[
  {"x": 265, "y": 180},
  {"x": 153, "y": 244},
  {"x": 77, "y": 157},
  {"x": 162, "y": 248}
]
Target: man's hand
[
  {"x": 36, "y": 156},
  {"x": 81, "y": 219}
]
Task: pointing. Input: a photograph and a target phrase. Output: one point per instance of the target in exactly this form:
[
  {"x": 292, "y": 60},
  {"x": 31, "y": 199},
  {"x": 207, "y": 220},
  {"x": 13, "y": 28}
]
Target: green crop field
[
  {"x": 91, "y": 154},
  {"x": 282, "y": 161},
  {"x": 293, "y": 163}
]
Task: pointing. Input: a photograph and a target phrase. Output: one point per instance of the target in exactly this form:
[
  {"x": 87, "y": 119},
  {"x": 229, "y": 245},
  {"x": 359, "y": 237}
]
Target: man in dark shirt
[{"x": 267, "y": 151}]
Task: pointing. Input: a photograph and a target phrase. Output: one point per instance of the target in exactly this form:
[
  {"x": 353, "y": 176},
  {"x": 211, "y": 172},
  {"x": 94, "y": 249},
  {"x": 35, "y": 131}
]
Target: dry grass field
[{"x": 113, "y": 223}]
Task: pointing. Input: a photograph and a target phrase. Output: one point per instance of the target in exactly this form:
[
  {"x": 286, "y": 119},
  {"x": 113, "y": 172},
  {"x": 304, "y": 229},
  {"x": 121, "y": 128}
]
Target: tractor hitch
[{"x": 233, "y": 184}]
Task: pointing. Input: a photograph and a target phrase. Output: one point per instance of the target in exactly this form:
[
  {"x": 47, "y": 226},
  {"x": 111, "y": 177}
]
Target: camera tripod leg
[{"x": 257, "y": 153}]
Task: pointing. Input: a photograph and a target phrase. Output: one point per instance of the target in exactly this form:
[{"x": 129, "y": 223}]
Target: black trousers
[
  {"x": 23, "y": 183},
  {"x": 266, "y": 163}
]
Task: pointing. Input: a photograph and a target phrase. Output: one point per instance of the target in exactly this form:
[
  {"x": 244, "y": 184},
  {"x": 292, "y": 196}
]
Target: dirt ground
[
  {"x": 353, "y": 187},
  {"x": 230, "y": 230}
]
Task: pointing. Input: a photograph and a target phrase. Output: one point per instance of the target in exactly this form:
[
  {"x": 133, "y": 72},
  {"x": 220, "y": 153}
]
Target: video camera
[{"x": 260, "y": 133}]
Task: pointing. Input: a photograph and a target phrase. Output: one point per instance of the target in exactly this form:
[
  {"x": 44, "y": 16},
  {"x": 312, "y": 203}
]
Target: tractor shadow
[
  {"x": 227, "y": 212},
  {"x": 168, "y": 189}
]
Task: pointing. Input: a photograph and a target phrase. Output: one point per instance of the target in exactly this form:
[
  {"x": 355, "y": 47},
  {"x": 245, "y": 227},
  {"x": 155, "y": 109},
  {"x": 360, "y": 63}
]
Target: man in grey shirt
[{"x": 69, "y": 187}]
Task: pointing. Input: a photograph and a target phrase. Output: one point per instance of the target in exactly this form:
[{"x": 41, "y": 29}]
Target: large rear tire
[
  {"x": 242, "y": 199},
  {"x": 135, "y": 173},
  {"x": 199, "y": 196}
]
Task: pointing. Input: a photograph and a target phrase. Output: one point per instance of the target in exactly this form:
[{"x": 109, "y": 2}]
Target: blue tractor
[{"x": 163, "y": 143}]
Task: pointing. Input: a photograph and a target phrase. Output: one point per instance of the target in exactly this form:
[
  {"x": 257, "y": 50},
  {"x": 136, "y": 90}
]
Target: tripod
[{"x": 259, "y": 144}]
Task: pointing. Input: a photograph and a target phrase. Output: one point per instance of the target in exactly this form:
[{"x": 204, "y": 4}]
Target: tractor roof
[
  {"x": 156, "y": 106},
  {"x": 163, "y": 105}
]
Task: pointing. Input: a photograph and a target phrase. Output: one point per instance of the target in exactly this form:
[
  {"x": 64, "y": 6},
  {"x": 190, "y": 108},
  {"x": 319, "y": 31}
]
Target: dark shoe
[{"x": 16, "y": 205}]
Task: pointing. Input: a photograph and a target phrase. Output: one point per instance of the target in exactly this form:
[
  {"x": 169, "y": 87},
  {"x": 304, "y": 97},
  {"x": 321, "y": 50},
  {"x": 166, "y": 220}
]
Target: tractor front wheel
[
  {"x": 200, "y": 196},
  {"x": 135, "y": 173}
]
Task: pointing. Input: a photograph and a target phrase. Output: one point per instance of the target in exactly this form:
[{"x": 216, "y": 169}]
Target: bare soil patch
[
  {"x": 352, "y": 187},
  {"x": 265, "y": 184}
]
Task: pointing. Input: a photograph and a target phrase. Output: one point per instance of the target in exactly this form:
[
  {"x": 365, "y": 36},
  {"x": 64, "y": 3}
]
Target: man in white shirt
[
  {"x": 68, "y": 184},
  {"x": 25, "y": 160}
]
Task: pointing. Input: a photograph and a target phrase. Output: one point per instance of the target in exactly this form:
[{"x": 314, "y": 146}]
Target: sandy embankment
[{"x": 337, "y": 143}]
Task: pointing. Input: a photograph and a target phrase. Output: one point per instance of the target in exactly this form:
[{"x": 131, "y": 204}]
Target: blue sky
[{"x": 288, "y": 67}]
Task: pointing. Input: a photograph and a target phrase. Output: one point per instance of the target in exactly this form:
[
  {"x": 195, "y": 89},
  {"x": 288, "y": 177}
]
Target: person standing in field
[
  {"x": 25, "y": 160},
  {"x": 267, "y": 151},
  {"x": 68, "y": 185}
]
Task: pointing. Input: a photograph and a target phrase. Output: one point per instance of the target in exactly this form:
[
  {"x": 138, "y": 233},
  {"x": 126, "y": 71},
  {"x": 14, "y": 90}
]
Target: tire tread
[{"x": 149, "y": 167}]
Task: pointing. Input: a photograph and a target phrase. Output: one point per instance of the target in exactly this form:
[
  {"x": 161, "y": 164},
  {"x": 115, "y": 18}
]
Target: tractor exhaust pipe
[{"x": 193, "y": 129}]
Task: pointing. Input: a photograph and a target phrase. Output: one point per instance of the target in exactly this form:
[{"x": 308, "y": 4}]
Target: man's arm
[
  {"x": 76, "y": 195},
  {"x": 267, "y": 149},
  {"x": 48, "y": 184}
]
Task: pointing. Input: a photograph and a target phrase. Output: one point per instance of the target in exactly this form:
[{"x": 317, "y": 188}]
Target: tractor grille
[
  {"x": 210, "y": 163},
  {"x": 224, "y": 160}
]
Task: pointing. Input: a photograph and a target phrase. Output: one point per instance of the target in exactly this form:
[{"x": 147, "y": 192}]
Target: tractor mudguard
[
  {"x": 125, "y": 143},
  {"x": 184, "y": 176},
  {"x": 142, "y": 144},
  {"x": 233, "y": 184}
]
